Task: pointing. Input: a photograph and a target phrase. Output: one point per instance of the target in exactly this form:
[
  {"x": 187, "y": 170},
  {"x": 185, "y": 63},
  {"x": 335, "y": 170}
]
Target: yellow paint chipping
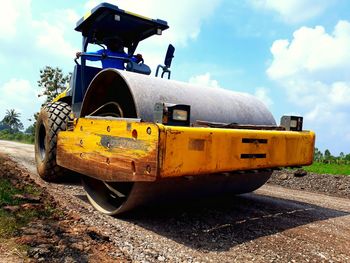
[
  {"x": 86, "y": 16},
  {"x": 118, "y": 150},
  {"x": 62, "y": 94},
  {"x": 141, "y": 16},
  {"x": 59, "y": 96},
  {"x": 110, "y": 149}
]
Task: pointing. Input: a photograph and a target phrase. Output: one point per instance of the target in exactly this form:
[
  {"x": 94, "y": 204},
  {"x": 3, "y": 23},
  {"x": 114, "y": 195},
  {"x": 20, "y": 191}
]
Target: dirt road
[{"x": 273, "y": 224}]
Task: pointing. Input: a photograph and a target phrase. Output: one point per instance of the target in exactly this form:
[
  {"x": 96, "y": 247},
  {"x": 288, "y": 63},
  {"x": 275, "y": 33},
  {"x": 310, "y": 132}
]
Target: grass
[
  {"x": 18, "y": 137},
  {"x": 7, "y": 191},
  {"x": 325, "y": 168},
  {"x": 10, "y": 222}
]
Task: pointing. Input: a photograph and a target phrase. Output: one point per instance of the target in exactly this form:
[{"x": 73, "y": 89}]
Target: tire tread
[{"x": 59, "y": 115}]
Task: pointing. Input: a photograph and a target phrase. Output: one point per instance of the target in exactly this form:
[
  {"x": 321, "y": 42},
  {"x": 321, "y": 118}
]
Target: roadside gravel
[
  {"x": 274, "y": 224},
  {"x": 52, "y": 234},
  {"x": 334, "y": 185}
]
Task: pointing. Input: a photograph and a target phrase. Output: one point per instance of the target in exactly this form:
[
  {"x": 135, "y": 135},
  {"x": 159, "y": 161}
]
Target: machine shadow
[
  {"x": 222, "y": 223},
  {"x": 70, "y": 178}
]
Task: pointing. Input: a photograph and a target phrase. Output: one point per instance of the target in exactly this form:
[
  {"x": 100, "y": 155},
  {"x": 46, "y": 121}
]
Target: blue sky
[{"x": 294, "y": 54}]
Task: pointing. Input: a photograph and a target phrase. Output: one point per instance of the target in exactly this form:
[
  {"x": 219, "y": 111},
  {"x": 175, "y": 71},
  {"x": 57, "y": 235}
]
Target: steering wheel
[{"x": 139, "y": 58}]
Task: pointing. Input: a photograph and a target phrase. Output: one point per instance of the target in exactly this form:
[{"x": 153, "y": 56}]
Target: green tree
[
  {"x": 12, "y": 120},
  {"x": 31, "y": 128},
  {"x": 327, "y": 154},
  {"x": 318, "y": 156},
  {"x": 52, "y": 81},
  {"x": 4, "y": 126},
  {"x": 347, "y": 157}
]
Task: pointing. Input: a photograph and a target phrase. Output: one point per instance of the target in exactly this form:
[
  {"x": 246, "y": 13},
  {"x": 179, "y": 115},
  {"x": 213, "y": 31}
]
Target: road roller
[{"x": 136, "y": 138}]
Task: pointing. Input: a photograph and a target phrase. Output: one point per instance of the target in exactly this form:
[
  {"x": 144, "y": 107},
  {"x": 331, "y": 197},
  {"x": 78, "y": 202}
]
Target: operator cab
[
  {"x": 100, "y": 25},
  {"x": 106, "y": 22}
]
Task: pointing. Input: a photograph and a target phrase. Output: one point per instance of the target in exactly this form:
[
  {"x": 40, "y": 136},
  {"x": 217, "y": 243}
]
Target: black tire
[{"x": 52, "y": 119}]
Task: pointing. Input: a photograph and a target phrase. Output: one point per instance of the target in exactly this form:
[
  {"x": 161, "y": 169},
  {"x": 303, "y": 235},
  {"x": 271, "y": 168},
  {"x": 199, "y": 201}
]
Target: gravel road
[{"x": 273, "y": 224}]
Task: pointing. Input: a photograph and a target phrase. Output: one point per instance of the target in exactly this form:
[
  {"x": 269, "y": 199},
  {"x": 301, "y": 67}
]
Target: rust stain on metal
[
  {"x": 174, "y": 131},
  {"x": 196, "y": 144},
  {"x": 118, "y": 168},
  {"x": 113, "y": 154},
  {"x": 111, "y": 142}
]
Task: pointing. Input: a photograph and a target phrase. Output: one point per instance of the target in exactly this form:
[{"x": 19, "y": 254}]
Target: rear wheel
[
  {"x": 113, "y": 198},
  {"x": 107, "y": 197},
  {"x": 52, "y": 119}
]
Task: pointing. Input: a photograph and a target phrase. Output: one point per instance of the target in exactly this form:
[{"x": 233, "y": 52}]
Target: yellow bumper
[{"x": 114, "y": 150}]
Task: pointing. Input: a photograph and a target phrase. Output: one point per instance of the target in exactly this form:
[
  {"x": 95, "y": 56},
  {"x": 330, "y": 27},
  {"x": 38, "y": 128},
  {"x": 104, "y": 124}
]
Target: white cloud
[
  {"x": 204, "y": 80},
  {"x": 312, "y": 51},
  {"x": 52, "y": 39},
  {"x": 313, "y": 68},
  {"x": 43, "y": 36},
  {"x": 292, "y": 11},
  {"x": 31, "y": 42},
  {"x": 52, "y": 32},
  {"x": 263, "y": 94},
  {"x": 11, "y": 15},
  {"x": 340, "y": 94},
  {"x": 20, "y": 90},
  {"x": 21, "y": 96},
  {"x": 314, "y": 61}
]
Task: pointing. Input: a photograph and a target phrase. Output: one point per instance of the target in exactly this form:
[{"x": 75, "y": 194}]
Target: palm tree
[
  {"x": 318, "y": 156},
  {"x": 12, "y": 120}
]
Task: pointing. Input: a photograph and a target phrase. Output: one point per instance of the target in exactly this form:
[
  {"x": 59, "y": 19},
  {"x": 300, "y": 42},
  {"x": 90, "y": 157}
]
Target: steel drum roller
[{"x": 137, "y": 94}]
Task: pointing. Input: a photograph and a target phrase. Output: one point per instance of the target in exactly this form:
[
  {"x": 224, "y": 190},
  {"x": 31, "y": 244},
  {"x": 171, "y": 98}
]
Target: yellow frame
[
  {"x": 194, "y": 151},
  {"x": 120, "y": 150}
]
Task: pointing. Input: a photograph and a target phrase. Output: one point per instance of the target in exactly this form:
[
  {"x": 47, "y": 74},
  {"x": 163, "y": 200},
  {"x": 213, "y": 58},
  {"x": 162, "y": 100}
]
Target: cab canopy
[{"x": 107, "y": 21}]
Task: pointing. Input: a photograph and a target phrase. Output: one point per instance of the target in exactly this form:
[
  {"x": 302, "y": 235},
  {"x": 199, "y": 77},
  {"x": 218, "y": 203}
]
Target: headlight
[
  {"x": 292, "y": 123},
  {"x": 180, "y": 115},
  {"x": 172, "y": 114}
]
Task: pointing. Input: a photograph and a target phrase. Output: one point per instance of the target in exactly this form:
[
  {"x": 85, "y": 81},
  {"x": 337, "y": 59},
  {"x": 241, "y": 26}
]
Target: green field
[
  {"x": 325, "y": 168},
  {"x": 18, "y": 137}
]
